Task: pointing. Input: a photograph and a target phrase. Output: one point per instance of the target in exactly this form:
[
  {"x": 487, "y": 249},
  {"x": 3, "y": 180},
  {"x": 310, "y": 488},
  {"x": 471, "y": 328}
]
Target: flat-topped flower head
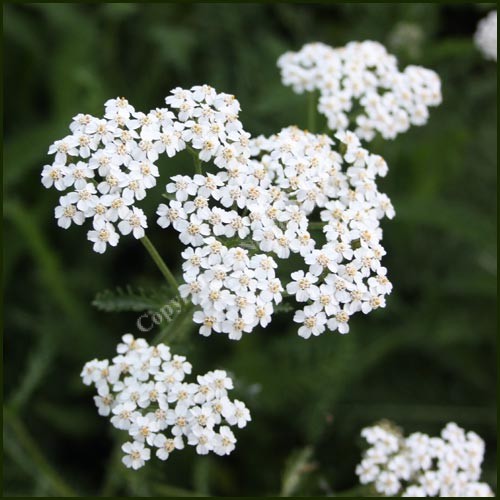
[
  {"x": 237, "y": 229},
  {"x": 256, "y": 209},
  {"x": 423, "y": 466},
  {"x": 144, "y": 392},
  {"x": 362, "y": 75},
  {"x": 106, "y": 165}
]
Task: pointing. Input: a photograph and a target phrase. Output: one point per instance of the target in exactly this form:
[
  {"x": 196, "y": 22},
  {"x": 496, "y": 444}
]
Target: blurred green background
[{"x": 427, "y": 359}]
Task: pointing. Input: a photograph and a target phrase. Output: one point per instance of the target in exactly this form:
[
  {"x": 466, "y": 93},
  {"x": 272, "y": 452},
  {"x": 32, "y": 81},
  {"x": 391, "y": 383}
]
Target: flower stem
[
  {"x": 197, "y": 161},
  {"x": 160, "y": 262},
  {"x": 316, "y": 225},
  {"x": 178, "y": 327},
  {"x": 311, "y": 112}
]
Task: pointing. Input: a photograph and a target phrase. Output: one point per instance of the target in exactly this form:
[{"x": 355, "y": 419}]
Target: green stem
[
  {"x": 26, "y": 441},
  {"x": 311, "y": 111},
  {"x": 159, "y": 262},
  {"x": 178, "y": 326},
  {"x": 197, "y": 166},
  {"x": 316, "y": 225},
  {"x": 197, "y": 161}
]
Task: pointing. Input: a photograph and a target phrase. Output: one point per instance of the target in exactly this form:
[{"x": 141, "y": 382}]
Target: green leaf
[{"x": 132, "y": 299}]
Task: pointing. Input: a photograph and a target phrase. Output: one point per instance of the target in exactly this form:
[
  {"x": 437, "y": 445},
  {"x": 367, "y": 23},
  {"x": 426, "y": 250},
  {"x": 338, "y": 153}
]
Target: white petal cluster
[
  {"x": 234, "y": 286},
  {"x": 144, "y": 392},
  {"x": 235, "y": 224},
  {"x": 423, "y": 466},
  {"x": 343, "y": 274},
  {"x": 486, "y": 36},
  {"x": 361, "y": 87},
  {"x": 106, "y": 165},
  {"x": 255, "y": 208}
]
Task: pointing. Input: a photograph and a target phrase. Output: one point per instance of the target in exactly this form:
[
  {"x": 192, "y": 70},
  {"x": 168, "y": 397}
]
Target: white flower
[
  {"x": 104, "y": 401},
  {"x": 54, "y": 175},
  {"x": 203, "y": 415},
  {"x": 486, "y": 36},
  {"x": 183, "y": 187},
  {"x": 313, "y": 319},
  {"x": 129, "y": 343},
  {"x": 124, "y": 414},
  {"x": 209, "y": 321},
  {"x": 192, "y": 231},
  {"x": 167, "y": 445},
  {"x": 143, "y": 429},
  {"x": 135, "y": 223},
  {"x": 102, "y": 237},
  {"x": 64, "y": 148},
  {"x": 118, "y": 107},
  {"x": 235, "y": 413},
  {"x": 203, "y": 438},
  {"x": 67, "y": 213},
  {"x": 303, "y": 286},
  {"x": 136, "y": 454},
  {"x": 224, "y": 441},
  {"x": 339, "y": 321},
  {"x": 171, "y": 214}
]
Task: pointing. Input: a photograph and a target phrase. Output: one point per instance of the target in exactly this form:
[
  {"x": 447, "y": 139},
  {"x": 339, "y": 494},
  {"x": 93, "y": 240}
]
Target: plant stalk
[
  {"x": 160, "y": 262},
  {"x": 196, "y": 159}
]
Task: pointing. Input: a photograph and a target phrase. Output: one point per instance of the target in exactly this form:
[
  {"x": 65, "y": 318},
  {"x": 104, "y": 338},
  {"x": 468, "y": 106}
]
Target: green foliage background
[{"x": 426, "y": 359}]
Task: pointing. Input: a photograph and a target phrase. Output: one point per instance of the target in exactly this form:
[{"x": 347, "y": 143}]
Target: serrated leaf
[{"x": 131, "y": 299}]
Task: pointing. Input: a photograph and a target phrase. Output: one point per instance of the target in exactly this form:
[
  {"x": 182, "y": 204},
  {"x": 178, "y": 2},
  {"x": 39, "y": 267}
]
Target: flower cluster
[
  {"x": 108, "y": 164},
  {"x": 486, "y": 36},
  {"x": 361, "y": 86},
  {"x": 255, "y": 208},
  {"x": 144, "y": 392},
  {"x": 423, "y": 466},
  {"x": 234, "y": 287},
  {"x": 234, "y": 222},
  {"x": 344, "y": 274}
]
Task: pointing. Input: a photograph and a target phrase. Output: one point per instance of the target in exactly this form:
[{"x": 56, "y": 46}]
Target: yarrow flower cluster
[
  {"x": 234, "y": 287},
  {"x": 423, "y": 466},
  {"x": 344, "y": 275},
  {"x": 361, "y": 86},
  {"x": 236, "y": 222},
  {"x": 144, "y": 392},
  {"x": 486, "y": 36},
  {"x": 107, "y": 164}
]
